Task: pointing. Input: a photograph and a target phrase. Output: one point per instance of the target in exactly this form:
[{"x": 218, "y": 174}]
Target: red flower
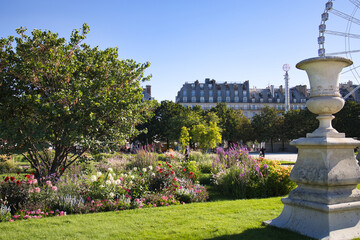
[
  {"x": 18, "y": 182},
  {"x": 172, "y": 172},
  {"x": 160, "y": 170},
  {"x": 169, "y": 166},
  {"x": 18, "y": 173},
  {"x": 166, "y": 175},
  {"x": 6, "y": 179},
  {"x": 184, "y": 169},
  {"x": 27, "y": 176},
  {"x": 12, "y": 178}
]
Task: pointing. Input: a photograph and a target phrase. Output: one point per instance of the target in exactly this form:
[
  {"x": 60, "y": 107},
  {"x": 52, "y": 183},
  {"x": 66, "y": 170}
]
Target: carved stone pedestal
[{"x": 326, "y": 203}]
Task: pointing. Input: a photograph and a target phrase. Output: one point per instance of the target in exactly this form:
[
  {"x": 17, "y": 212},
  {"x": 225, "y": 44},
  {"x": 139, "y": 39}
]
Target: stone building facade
[{"x": 239, "y": 96}]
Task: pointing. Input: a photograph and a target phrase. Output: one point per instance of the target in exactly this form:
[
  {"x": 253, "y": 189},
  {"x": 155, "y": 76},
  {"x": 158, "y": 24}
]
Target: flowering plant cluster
[
  {"x": 237, "y": 174},
  {"x": 136, "y": 185}
]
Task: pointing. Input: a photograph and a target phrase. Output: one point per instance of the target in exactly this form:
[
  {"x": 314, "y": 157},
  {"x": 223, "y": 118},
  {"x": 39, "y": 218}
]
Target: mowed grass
[{"x": 236, "y": 219}]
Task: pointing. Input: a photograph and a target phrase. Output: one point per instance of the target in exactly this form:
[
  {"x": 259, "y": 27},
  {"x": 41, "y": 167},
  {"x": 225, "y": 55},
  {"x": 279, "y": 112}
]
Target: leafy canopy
[{"x": 66, "y": 95}]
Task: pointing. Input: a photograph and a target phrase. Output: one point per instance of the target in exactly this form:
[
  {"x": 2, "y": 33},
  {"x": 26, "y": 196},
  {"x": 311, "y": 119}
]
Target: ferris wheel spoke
[
  {"x": 350, "y": 35},
  {"x": 355, "y": 2},
  {"x": 351, "y": 69},
  {"x": 351, "y": 92},
  {"x": 341, "y": 53},
  {"x": 345, "y": 16}
]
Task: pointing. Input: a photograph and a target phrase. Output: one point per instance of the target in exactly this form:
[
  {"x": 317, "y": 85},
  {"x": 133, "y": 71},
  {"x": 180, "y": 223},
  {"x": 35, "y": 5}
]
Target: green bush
[{"x": 241, "y": 176}]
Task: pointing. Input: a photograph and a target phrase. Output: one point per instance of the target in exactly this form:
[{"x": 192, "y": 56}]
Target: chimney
[{"x": 148, "y": 89}]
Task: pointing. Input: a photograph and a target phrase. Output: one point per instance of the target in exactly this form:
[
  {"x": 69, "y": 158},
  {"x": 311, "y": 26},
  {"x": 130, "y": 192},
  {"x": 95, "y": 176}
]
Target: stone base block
[{"x": 320, "y": 221}]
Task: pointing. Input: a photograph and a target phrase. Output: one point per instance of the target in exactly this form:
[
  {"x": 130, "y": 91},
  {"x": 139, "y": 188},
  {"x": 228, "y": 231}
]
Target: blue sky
[{"x": 188, "y": 40}]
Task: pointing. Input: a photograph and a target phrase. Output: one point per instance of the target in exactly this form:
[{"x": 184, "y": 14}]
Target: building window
[
  {"x": 227, "y": 93},
  {"x": 294, "y": 100},
  {"x": 245, "y": 107},
  {"x": 184, "y": 92},
  {"x": 184, "y": 99},
  {"x": 228, "y": 106},
  {"x": 244, "y": 99},
  {"x": 210, "y": 86},
  {"x": 303, "y": 107},
  {"x": 202, "y": 93},
  {"x": 193, "y": 99},
  {"x": 303, "y": 100},
  {"x": 210, "y": 93},
  {"x": 202, "y": 99},
  {"x": 236, "y": 93},
  {"x": 201, "y": 85},
  {"x": 279, "y": 107},
  {"x": 278, "y": 100},
  {"x": 227, "y": 99},
  {"x": 193, "y": 85},
  {"x": 253, "y": 107},
  {"x": 261, "y": 100},
  {"x": 253, "y": 100},
  {"x": 219, "y": 99},
  {"x": 270, "y": 99},
  {"x": 219, "y": 92},
  {"x": 236, "y": 106},
  {"x": 236, "y": 99},
  {"x": 211, "y": 99},
  {"x": 192, "y": 92},
  {"x": 244, "y": 93}
]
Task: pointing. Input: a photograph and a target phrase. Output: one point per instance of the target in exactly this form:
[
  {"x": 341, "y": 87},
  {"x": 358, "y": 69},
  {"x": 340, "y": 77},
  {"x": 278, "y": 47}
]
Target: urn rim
[{"x": 301, "y": 64}]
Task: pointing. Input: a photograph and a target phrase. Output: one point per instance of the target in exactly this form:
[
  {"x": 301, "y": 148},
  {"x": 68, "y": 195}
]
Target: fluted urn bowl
[{"x": 325, "y": 99}]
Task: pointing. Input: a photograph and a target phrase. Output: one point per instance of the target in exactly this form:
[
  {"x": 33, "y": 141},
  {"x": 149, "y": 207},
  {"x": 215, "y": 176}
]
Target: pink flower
[
  {"x": 175, "y": 179},
  {"x": 48, "y": 183},
  {"x": 37, "y": 189},
  {"x": 54, "y": 188},
  {"x": 11, "y": 220}
]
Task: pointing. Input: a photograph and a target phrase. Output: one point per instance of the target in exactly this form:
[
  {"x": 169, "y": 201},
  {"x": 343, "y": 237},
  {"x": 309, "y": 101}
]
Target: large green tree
[
  {"x": 267, "y": 125},
  {"x": 66, "y": 96},
  {"x": 348, "y": 119}
]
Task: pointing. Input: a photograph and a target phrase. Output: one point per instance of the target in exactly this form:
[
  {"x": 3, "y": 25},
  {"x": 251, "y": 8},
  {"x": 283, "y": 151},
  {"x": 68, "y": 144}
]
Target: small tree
[
  {"x": 184, "y": 137},
  {"x": 206, "y": 136},
  {"x": 67, "y": 97}
]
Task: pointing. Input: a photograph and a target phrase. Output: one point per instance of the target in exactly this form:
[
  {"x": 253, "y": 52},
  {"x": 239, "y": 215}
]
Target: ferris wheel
[{"x": 349, "y": 26}]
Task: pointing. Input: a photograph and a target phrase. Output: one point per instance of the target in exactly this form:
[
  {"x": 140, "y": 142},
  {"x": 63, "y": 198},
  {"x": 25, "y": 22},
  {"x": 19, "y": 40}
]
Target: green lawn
[{"x": 237, "y": 219}]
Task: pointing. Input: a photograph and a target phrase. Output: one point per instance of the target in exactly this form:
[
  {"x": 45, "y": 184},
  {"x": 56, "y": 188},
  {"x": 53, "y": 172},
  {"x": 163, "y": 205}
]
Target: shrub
[{"x": 238, "y": 175}]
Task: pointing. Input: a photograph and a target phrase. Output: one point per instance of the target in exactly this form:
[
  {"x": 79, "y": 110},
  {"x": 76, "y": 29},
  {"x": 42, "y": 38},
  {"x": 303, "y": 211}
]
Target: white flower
[
  {"x": 117, "y": 182},
  {"x": 150, "y": 168},
  {"x": 125, "y": 175},
  {"x": 132, "y": 176},
  {"x": 121, "y": 175},
  {"x": 108, "y": 182},
  {"x": 111, "y": 195},
  {"x": 153, "y": 174},
  {"x": 111, "y": 177},
  {"x": 135, "y": 169},
  {"x": 98, "y": 174},
  {"x": 110, "y": 169},
  {"x": 131, "y": 182},
  {"x": 93, "y": 178},
  {"x": 144, "y": 169},
  {"x": 101, "y": 186}
]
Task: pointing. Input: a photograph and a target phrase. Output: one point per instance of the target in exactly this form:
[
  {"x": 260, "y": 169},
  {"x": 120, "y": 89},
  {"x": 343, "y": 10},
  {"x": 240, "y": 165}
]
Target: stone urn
[
  {"x": 326, "y": 202},
  {"x": 325, "y": 99}
]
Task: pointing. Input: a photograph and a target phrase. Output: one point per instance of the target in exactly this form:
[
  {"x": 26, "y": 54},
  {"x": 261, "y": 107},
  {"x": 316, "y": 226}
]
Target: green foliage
[
  {"x": 66, "y": 96},
  {"x": 348, "y": 120},
  {"x": 206, "y": 136},
  {"x": 240, "y": 176},
  {"x": 184, "y": 138}
]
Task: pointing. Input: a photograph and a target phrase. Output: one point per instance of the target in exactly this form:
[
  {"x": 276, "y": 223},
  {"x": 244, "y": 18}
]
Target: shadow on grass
[{"x": 265, "y": 233}]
